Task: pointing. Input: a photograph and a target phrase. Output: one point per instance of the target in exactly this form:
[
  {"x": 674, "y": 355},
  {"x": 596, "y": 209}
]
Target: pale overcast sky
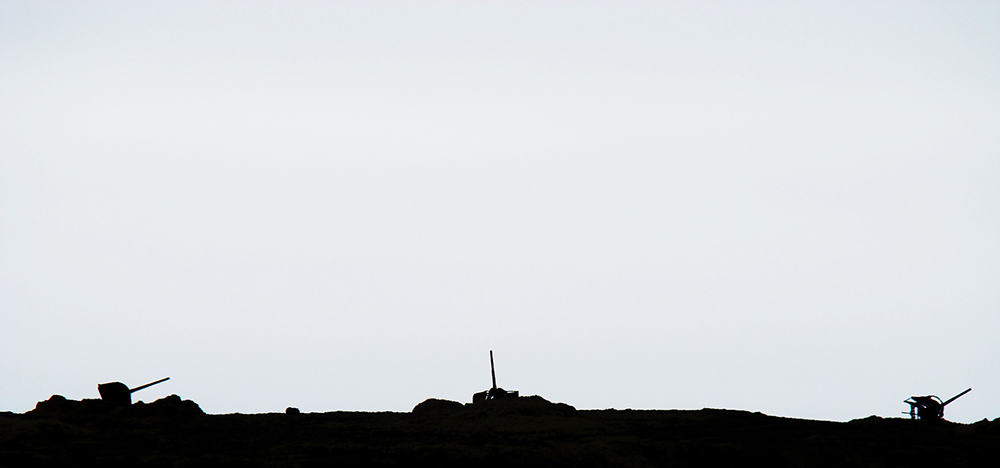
[{"x": 785, "y": 207}]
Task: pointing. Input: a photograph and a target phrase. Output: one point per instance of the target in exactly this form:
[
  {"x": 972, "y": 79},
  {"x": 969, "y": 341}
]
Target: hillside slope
[{"x": 526, "y": 431}]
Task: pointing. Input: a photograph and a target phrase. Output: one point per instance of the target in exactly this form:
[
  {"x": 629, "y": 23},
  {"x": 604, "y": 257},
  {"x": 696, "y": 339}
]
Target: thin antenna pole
[{"x": 493, "y": 371}]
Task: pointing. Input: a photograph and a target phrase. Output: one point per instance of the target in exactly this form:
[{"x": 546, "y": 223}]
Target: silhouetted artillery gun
[
  {"x": 929, "y": 407},
  {"x": 119, "y": 394},
  {"x": 495, "y": 392}
]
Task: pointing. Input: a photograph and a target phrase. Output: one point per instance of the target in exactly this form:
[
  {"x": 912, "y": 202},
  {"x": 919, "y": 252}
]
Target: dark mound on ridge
[
  {"x": 433, "y": 406},
  {"x": 58, "y": 407},
  {"x": 528, "y": 406}
]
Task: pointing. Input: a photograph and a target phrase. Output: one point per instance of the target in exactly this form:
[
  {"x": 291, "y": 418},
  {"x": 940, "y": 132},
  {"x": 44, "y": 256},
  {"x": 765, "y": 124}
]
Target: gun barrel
[
  {"x": 956, "y": 397},
  {"x": 493, "y": 371},
  {"x": 136, "y": 389}
]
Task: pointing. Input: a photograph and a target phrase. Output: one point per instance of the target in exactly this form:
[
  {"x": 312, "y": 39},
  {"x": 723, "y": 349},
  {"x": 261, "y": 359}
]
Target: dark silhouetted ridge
[{"x": 503, "y": 432}]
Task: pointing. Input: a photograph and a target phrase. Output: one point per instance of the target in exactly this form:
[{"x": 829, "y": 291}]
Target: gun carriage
[
  {"x": 494, "y": 392},
  {"x": 119, "y": 394},
  {"x": 929, "y": 406}
]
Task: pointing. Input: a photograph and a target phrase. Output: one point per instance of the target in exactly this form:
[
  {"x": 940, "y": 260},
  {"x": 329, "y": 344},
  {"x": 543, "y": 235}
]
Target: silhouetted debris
[{"x": 291, "y": 410}]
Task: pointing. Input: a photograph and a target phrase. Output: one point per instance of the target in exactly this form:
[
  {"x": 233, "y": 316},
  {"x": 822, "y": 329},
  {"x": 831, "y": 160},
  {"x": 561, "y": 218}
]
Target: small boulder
[{"x": 434, "y": 405}]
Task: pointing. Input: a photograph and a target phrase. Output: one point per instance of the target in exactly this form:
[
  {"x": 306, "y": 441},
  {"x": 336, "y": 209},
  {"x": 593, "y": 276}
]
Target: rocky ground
[{"x": 526, "y": 431}]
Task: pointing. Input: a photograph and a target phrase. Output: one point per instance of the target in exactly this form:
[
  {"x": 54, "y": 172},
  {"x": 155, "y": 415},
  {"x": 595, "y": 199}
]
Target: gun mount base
[{"x": 493, "y": 394}]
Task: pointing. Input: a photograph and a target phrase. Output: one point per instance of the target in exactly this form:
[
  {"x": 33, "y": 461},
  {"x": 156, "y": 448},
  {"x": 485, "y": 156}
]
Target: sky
[{"x": 784, "y": 207}]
